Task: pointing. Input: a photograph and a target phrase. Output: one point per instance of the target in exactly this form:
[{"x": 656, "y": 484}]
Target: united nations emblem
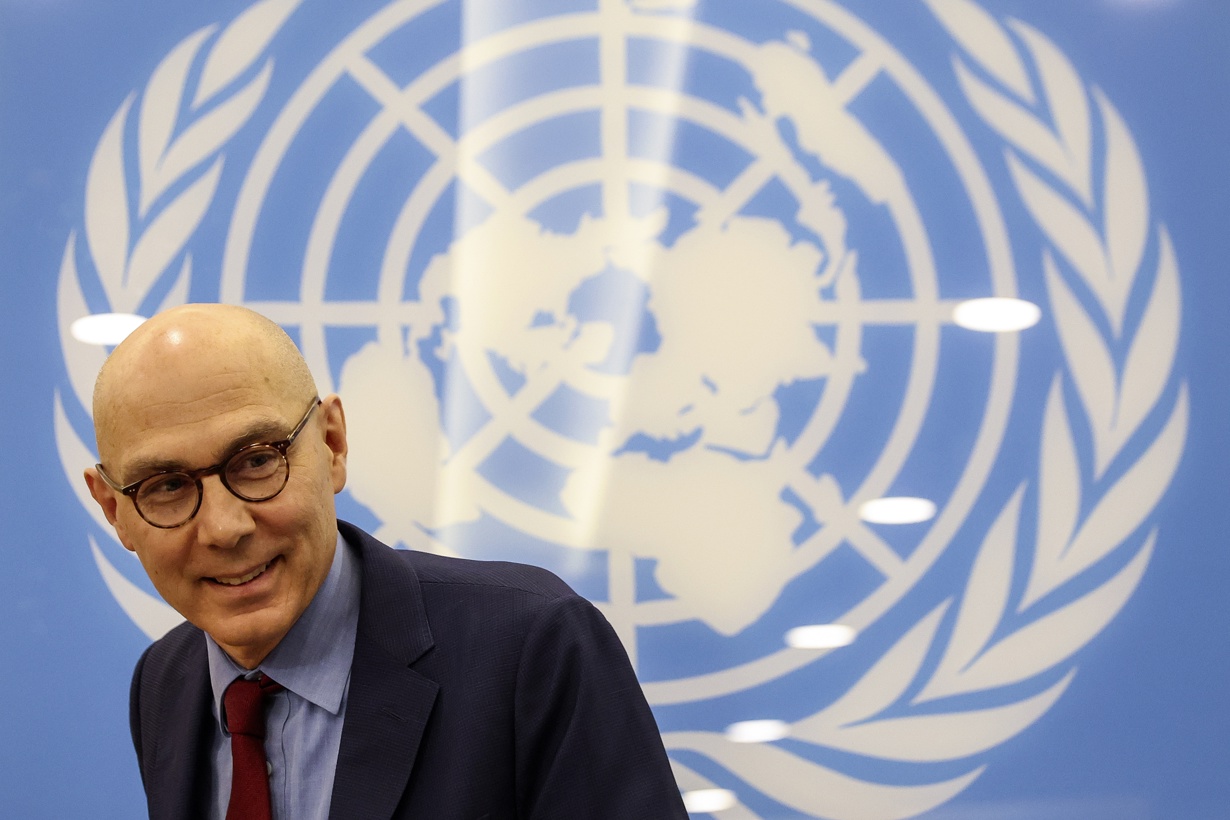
[{"x": 659, "y": 295}]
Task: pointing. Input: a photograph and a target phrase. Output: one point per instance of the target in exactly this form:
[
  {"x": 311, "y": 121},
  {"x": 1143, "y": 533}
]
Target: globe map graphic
[{"x": 586, "y": 346}]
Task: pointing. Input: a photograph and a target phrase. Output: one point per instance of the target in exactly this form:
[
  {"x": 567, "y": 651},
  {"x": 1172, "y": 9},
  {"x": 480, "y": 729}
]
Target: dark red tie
[{"x": 244, "y": 701}]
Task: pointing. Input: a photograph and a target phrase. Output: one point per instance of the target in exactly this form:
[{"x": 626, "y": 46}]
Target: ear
[
  {"x": 333, "y": 424},
  {"x": 106, "y": 497}
]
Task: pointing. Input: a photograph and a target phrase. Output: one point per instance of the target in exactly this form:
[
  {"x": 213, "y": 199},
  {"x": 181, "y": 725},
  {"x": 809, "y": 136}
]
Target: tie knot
[{"x": 244, "y": 701}]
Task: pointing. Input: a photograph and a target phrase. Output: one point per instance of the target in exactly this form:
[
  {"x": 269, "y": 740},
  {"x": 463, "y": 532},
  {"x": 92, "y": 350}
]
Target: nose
[{"x": 224, "y": 518}]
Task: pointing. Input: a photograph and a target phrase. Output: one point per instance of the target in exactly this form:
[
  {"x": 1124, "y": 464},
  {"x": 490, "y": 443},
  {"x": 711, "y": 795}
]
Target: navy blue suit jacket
[{"x": 478, "y": 691}]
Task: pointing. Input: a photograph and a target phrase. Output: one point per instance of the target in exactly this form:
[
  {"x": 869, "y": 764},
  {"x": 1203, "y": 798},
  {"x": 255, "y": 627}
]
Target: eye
[
  {"x": 254, "y": 463},
  {"x": 169, "y": 487}
]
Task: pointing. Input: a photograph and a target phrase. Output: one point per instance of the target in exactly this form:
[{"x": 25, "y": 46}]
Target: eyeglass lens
[{"x": 254, "y": 473}]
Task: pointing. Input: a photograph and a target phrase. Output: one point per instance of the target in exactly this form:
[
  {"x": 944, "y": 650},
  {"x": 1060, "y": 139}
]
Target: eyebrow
[{"x": 260, "y": 432}]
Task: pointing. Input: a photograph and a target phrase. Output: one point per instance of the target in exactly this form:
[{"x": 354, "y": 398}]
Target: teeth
[{"x": 243, "y": 579}]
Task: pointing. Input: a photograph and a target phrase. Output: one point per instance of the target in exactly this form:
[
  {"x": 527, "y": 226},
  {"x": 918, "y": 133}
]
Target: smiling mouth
[{"x": 240, "y": 580}]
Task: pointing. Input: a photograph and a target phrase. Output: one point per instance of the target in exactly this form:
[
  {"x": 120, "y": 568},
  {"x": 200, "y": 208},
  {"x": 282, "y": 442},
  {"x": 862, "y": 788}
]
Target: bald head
[
  {"x": 189, "y": 353},
  {"x": 177, "y": 404}
]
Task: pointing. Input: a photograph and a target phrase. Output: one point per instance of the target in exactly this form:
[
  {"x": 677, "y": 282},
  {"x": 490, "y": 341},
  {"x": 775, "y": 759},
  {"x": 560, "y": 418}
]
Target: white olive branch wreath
[
  {"x": 137, "y": 225},
  {"x": 1099, "y": 236}
]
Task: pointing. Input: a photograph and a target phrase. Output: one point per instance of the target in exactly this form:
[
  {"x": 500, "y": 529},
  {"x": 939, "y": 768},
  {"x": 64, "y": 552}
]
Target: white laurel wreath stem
[
  {"x": 148, "y": 612},
  {"x": 1107, "y": 257},
  {"x": 85, "y": 359},
  {"x": 1124, "y": 507},
  {"x": 1091, "y": 365},
  {"x": 128, "y": 269},
  {"x": 1064, "y": 94},
  {"x": 881, "y": 687},
  {"x": 985, "y": 601},
  {"x": 942, "y": 736},
  {"x": 106, "y": 213},
  {"x": 240, "y": 45},
  {"x": 1059, "y": 503},
  {"x": 173, "y": 198},
  {"x": 1157, "y": 341},
  {"x": 972, "y": 26},
  {"x": 817, "y": 790},
  {"x": 1125, "y": 199},
  {"x": 160, "y": 106}
]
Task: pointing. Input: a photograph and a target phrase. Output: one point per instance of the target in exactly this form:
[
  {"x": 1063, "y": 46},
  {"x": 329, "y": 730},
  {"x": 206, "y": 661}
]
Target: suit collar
[
  {"x": 391, "y": 609},
  {"x": 179, "y": 771},
  {"x": 388, "y": 703}
]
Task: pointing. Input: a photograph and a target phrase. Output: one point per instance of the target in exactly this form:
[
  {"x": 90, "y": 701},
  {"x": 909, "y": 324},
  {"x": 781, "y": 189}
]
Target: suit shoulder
[
  {"x": 169, "y": 655},
  {"x": 438, "y": 570},
  {"x": 493, "y": 575}
]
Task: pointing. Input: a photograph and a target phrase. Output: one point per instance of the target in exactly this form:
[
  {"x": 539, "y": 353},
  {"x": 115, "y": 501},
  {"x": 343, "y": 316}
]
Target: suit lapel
[
  {"x": 181, "y": 757},
  {"x": 387, "y": 704}
]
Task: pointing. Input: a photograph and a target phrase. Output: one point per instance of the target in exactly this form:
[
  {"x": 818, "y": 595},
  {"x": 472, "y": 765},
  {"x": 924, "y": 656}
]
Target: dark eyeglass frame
[{"x": 219, "y": 469}]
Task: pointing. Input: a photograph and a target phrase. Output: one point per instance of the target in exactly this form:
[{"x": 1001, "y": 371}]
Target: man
[{"x": 412, "y": 685}]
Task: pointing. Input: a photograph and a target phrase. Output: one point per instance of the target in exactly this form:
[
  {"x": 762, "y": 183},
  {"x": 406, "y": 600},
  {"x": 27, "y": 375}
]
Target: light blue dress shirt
[{"x": 304, "y": 723}]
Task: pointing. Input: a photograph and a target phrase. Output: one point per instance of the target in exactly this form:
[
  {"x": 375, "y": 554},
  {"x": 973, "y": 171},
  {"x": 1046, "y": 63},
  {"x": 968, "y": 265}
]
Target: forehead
[
  {"x": 185, "y": 388},
  {"x": 193, "y": 433}
]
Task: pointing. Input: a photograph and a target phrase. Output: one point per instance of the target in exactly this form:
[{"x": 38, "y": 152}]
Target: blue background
[{"x": 1147, "y": 722}]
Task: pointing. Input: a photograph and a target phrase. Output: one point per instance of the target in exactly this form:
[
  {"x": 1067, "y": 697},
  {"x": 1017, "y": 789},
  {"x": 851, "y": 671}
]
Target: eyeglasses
[{"x": 256, "y": 472}]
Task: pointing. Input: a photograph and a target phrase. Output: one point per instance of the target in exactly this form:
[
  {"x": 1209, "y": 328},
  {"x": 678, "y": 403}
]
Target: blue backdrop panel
[{"x": 659, "y": 294}]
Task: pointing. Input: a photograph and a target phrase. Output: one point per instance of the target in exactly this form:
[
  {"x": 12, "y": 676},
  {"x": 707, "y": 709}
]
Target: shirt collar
[{"x": 313, "y": 660}]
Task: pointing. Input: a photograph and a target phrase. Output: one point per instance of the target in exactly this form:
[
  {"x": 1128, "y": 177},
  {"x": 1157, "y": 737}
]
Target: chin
[{"x": 248, "y": 639}]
